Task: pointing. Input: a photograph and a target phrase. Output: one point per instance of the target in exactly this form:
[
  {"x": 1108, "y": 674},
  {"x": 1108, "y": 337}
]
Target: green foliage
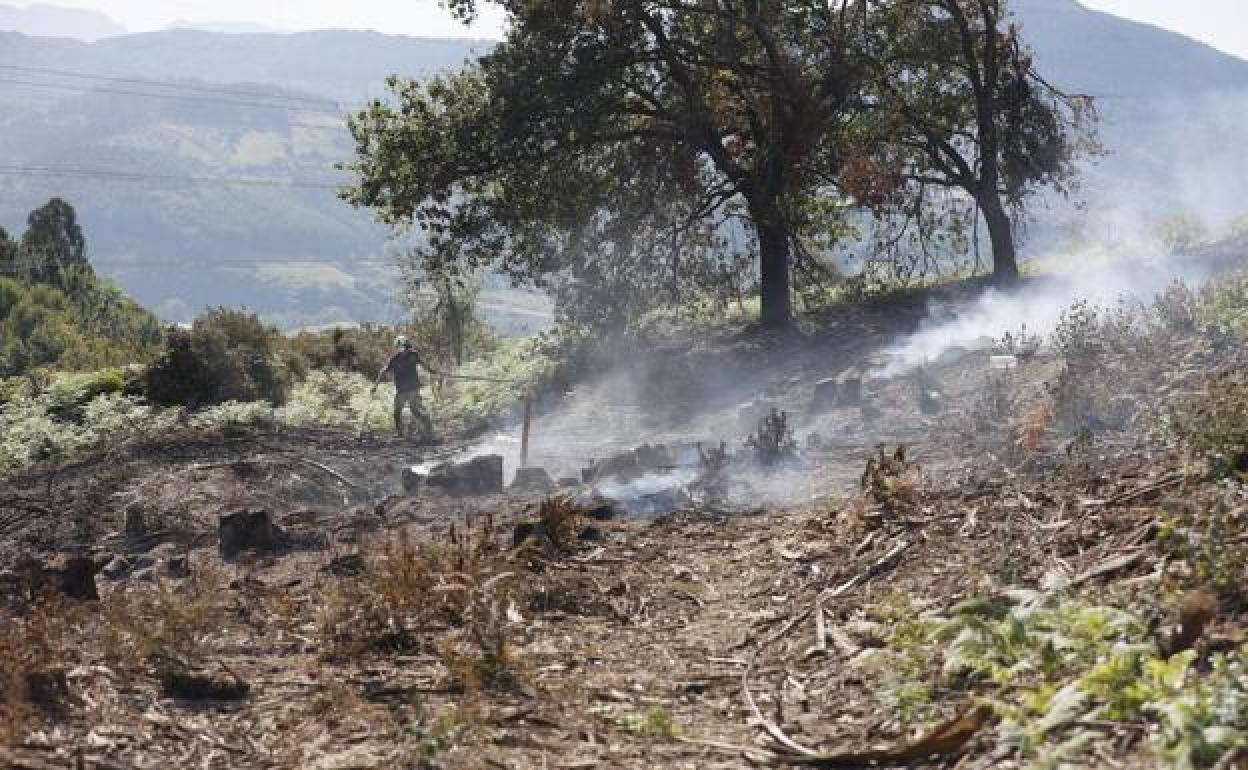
[
  {"x": 1052, "y": 661},
  {"x": 54, "y": 312},
  {"x": 228, "y": 355},
  {"x": 75, "y": 412}
]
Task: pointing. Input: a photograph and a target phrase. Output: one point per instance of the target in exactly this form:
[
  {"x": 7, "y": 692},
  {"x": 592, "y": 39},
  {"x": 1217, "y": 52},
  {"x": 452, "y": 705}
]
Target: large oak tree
[{"x": 726, "y": 108}]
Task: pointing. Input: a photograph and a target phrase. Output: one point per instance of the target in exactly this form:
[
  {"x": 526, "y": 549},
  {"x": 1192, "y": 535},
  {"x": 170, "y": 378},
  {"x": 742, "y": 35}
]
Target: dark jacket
[{"x": 404, "y": 365}]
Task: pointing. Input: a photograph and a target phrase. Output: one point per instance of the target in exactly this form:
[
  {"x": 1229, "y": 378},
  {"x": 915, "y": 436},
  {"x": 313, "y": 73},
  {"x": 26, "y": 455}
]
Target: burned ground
[{"x": 1020, "y": 577}]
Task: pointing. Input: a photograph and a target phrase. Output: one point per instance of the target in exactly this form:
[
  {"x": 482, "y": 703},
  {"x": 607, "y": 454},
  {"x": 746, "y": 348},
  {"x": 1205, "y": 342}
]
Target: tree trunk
[
  {"x": 1001, "y": 231},
  {"x": 776, "y": 300}
]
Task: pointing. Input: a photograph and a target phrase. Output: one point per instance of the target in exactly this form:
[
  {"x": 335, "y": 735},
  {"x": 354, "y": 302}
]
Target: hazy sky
[{"x": 1222, "y": 23}]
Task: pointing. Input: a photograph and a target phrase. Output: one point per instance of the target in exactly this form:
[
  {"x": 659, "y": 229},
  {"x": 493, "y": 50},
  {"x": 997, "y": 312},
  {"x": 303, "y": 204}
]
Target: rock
[
  {"x": 135, "y": 521},
  {"x": 78, "y": 578},
  {"x": 602, "y": 510},
  {"x": 164, "y": 552},
  {"x": 47, "y": 687},
  {"x": 870, "y": 414},
  {"x": 523, "y": 531},
  {"x": 200, "y": 684},
  {"x": 479, "y": 476},
  {"x": 145, "y": 575},
  {"x": 628, "y": 466},
  {"x": 592, "y": 535},
  {"x": 178, "y": 567},
  {"x": 346, "y": 565},
  {"x": 115, "y": 568},
  {"x": 931, "y": 402},
  {"x": 412, "y": 480},
  {"x": 534, "y": 479},
  {"x": 951, "y": 355},
  {"x": 246, "y": 530},
  {"x": 751, "y": 413},
  {"x": 827, "y": 394},
  {"x": 836, "y": 392}
]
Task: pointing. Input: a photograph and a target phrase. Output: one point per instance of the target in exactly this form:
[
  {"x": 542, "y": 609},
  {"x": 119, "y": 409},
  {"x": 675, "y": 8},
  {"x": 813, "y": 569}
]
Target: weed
[
  {"x": 413, "y": 589},
  {"x": 773, "y": 443},
  {"x": 1020, "y": 343},
  {"x": 1077, "y": 336},
  {"x": 892, "y": 481}
]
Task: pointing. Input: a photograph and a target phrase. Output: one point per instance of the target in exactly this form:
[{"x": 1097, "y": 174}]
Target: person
[{"x": 404, "y": 366}]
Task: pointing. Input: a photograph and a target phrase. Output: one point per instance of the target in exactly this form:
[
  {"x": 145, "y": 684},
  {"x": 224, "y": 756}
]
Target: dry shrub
[
  {"x": 560, "y": 519},
  {"x": 171, "y": 624},
  {"x": 413, "y": 589},
  {"x": 892, "y": 481},
  {"x": 773, "y": 443},
  {"x": 409, "y": 587},
  {"x": 1032, "y": 429},
  {"x": 1215, "y": 426},
  {"x": 1207, "y": 529},
  {"x": 481, "y": 655},
  {"x": 32, "y": 678}
]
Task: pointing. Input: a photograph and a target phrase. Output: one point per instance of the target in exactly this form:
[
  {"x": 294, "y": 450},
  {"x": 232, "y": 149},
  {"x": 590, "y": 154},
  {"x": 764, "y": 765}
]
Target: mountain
[
  {"x": 1172, "y": 112},
  {"x": 55, "y": 21},
  {"x": 228, "y": 27},
  {"x": 1115, "y": 58}
]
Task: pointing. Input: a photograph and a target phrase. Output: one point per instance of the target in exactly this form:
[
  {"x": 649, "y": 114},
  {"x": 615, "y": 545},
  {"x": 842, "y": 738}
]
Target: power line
[
  {"x": 173, "y": 97},
  {"x": 134, "y": 176},
  {"x": 171, "y": 85}
]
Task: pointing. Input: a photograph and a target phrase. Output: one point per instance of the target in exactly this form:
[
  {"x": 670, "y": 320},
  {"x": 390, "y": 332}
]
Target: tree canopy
[{"x": 615, "y": 144}]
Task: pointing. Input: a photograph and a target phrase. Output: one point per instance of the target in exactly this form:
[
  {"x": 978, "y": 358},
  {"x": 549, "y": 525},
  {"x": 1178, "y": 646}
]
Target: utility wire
[
  {"x": 177, "y": 85},
  {"x": 134, "y": 176},
  {"x": 174, "y": 97}
]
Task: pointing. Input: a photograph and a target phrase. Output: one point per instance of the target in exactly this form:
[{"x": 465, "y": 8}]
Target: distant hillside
[
  {"x": 55, "y": 21},
  {"x": 343, "y": 65},
  {"x": 1114, "y": 58},
  {"x": 188, "y": 223},
  {"x": 1173, "y": 112}
]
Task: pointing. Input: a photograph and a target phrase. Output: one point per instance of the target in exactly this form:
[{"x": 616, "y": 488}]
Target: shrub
[
  {"x": 228, "y": 355},
  {"x": 1215, "y": 425}
]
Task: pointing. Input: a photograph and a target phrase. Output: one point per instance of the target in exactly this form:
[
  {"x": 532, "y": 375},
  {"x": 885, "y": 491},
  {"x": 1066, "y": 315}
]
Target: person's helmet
[{"x": 402, "y": 343}]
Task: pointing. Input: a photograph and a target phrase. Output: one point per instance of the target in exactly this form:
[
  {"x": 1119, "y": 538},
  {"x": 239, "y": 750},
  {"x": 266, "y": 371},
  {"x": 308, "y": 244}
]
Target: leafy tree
[
  {"x": 53, "y": 243},
  {"x": 55, "y": 312},
  {"x": 962, "y": 106},
  {"x": 731, "y": 109},
  {"x": 8, "y": 255}
]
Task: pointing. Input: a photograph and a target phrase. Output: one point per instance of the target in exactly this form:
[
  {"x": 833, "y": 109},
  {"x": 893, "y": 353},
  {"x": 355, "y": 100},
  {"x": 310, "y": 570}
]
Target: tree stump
[
  {"x": 532, "y": 480},
  {"x": 246, "y": 530},
  {"x": 78, "y": 579}
]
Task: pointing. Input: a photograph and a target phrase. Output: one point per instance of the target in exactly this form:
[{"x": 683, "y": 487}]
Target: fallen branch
[
  {"x": 348, "y": 482},
  {"x": 943, "y": 740},
  {"x": 878, "y": 567}
]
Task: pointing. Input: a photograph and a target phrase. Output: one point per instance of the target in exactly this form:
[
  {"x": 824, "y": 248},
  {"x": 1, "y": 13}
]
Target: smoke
[
  {"x": 1036, "y": 307},
  {"x": 1175, "y": 175}
]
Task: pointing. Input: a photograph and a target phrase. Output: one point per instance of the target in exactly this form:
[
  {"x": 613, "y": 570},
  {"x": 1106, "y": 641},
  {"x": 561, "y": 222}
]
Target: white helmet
[{"x": 402, "y": 342}]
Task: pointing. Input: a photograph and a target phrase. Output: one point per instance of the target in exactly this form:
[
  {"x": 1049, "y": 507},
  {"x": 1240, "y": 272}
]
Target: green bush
[{"x": 227, "y": 355}]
